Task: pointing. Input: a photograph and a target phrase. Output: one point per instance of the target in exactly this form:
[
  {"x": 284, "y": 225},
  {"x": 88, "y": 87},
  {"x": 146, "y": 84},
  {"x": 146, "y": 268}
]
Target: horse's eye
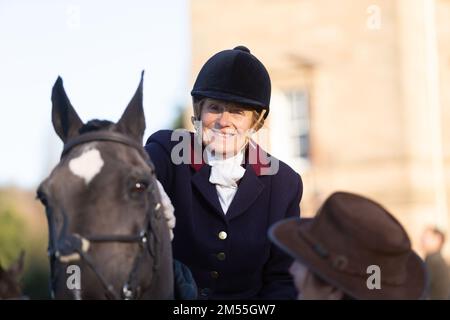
[{"x": 139, "y": 187}]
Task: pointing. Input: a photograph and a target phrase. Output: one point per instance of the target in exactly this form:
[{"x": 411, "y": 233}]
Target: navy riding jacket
[{"x": 230, "y": 255}]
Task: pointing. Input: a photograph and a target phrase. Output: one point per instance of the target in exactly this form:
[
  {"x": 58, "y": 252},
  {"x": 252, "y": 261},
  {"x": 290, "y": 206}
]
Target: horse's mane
[{"x": 96, "y": 125}]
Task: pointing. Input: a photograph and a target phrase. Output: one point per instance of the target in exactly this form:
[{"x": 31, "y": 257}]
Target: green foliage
[
  {"x": 15, "y": 237},
  {"x": 12, "y": 230},
  {"x": 35, "y": 282}
]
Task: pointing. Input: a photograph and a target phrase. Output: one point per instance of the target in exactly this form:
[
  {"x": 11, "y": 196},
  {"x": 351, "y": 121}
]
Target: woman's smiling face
[{"x": 225, "y": 126}]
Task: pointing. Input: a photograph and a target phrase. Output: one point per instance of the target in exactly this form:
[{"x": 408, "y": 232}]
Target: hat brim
[
  {"x": 286, "y": 234},
  {"x": 232, "y": 98}
]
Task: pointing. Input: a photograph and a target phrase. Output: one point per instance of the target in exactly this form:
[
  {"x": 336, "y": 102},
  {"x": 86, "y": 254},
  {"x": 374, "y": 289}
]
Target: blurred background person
[{"x": 433, "y": 240}]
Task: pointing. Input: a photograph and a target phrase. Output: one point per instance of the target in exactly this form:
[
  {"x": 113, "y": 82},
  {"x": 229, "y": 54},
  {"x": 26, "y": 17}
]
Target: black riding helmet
[{"x": 235, "y": 76}]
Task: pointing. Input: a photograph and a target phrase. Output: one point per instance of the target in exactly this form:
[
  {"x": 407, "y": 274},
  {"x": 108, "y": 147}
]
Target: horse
[
  {"x": 9, "y": 280},
  {"x": 108, "y": 238}
]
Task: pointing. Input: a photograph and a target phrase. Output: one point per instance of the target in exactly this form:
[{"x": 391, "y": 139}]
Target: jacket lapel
[
  {"x": 250, "y": 187},
  {"x": 200, "y": 179},
  {"x": 248, "y": 191}
]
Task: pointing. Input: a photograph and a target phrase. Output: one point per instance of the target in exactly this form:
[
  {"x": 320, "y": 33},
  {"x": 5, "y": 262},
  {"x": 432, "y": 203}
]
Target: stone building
[{"x": 360, "y": 94}]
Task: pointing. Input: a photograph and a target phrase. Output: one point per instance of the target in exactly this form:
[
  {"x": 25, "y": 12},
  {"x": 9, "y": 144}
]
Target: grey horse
[{"x": 108, "y": 238}]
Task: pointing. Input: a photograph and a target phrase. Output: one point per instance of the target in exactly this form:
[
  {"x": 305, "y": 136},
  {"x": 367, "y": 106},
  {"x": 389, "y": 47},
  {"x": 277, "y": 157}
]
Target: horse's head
[
  {"x": 107, "y": 234},
  {"x": 9, "y": 280}
]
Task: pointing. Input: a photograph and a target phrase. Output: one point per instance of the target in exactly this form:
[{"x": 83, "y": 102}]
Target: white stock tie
[{"x": 225, "y": 173}]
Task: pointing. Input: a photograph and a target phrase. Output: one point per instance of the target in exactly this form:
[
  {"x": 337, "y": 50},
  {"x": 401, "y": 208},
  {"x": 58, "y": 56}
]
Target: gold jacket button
[
  {"x": 222, "y": 235},
  {"x": 214, "y": 274},
  {"x": 221, "y": 256}
]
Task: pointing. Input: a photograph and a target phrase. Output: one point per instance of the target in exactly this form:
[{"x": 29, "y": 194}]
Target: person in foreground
[{"x": 352, "y": 249}]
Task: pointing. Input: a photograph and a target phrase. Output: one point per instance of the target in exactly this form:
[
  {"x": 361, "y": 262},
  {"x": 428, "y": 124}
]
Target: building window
[{"x": 299, "y": 126}]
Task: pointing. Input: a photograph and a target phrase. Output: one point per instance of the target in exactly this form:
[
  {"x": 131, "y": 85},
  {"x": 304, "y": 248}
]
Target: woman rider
[{"x": 226, "y": 190}]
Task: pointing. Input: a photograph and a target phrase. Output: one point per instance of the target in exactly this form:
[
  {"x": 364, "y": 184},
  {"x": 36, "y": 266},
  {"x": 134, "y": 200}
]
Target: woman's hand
[{"x": 168, "y": 208}]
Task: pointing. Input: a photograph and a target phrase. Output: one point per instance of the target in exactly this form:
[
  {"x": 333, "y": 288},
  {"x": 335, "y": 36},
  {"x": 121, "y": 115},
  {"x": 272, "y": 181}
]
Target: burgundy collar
[{"x": 253, "y": 152}]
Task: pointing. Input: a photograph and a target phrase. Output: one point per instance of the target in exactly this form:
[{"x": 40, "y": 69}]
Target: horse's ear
[
  {"x": 132, "y": 121},
  {"x": 64, "y": 117}
]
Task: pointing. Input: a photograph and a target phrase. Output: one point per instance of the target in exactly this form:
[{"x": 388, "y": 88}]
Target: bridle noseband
[{"x": 74, "y": 247}]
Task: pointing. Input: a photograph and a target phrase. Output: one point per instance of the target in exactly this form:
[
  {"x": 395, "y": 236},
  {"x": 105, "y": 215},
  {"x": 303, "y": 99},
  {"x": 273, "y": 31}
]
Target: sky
[{"x": 99, "y": 49}]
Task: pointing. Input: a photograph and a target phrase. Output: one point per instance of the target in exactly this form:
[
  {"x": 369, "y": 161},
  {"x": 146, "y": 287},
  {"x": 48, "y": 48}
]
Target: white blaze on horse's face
[{"x": 87, "y": 165}]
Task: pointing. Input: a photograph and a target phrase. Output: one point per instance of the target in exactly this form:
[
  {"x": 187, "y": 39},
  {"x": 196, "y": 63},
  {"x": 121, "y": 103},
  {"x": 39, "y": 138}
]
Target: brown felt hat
[{"x": 349, "y": 234}]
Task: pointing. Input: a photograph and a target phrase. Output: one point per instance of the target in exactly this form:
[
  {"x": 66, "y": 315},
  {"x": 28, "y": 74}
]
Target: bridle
[{"x": 67, "y": 248}]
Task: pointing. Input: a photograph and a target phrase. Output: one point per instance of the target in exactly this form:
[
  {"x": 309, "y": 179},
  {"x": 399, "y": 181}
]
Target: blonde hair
[{"x": 257, "y": 117}]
